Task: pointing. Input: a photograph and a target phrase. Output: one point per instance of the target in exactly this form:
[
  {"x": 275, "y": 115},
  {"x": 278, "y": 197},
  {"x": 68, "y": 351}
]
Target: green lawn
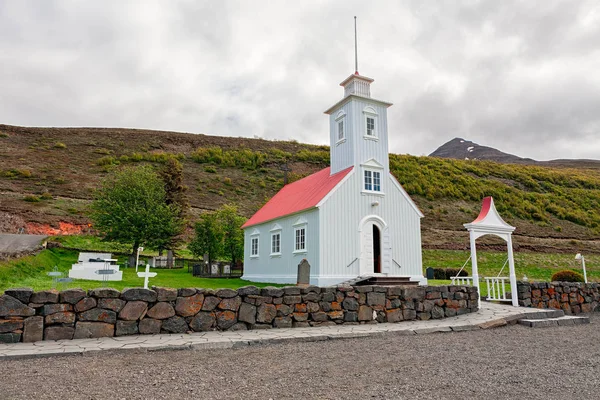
[
  {"x": 537, "y": 266},
  {"x": 32, "y": 272}
]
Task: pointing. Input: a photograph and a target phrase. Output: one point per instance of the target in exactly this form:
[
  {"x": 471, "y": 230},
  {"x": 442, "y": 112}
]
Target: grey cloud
[{"x": 517, "y": 75}]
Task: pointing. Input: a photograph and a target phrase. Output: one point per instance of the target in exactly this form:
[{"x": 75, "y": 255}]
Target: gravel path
[{"x": 510, "y": 362}]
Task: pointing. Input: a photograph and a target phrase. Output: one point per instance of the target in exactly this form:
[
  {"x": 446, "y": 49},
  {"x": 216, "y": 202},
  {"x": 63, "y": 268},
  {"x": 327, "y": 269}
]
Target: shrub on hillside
[
  {"x": 60, "y": 145},
  {"x": 447, "y": 273},
  {"x": 31, "y": 198},
  {"x": 567, "y": 276}
]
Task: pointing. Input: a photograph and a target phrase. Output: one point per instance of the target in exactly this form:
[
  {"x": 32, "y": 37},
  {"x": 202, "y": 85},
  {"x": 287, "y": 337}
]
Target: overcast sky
[{"x": 523, "y": 77}]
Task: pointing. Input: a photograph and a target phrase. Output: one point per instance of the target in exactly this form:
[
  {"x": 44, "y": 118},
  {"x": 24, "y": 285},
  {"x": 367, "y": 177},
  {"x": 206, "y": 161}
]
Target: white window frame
[
  {"x": 340, "y": 120},
  {"x": 296, "y": 230},
  {"x": 252, "y": 239},
  {"x": 369, "y": 112},
  {"x": 275, "y": 230},
  {"x": 372, "y": 168}
]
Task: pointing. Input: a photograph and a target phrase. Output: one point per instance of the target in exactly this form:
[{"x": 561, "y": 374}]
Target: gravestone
[
  {"x": 170, "y": 259},
  {"x": 429, "y": 273},
  {"x": 303, "y": 273}
]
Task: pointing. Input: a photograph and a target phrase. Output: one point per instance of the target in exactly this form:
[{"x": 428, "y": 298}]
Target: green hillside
[{"x": 47, "y": 176}]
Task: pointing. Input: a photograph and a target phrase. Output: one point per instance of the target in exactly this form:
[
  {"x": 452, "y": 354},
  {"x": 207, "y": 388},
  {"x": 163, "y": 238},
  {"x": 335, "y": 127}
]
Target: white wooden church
[{"x": 348, "y": 220}]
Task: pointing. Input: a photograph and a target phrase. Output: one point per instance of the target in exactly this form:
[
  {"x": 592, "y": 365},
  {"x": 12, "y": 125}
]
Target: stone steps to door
[
  {"x": 565, "y": 320},
  {"x": 387, "y": 281}
]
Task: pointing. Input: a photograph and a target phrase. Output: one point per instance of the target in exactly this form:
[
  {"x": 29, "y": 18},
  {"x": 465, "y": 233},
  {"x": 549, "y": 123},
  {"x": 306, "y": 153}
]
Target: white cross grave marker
[{"x": 146, "y": 275}]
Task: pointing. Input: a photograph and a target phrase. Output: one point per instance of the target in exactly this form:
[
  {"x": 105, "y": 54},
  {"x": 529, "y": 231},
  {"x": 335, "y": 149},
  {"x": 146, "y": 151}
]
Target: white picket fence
[{"x": 496, "y": 288}]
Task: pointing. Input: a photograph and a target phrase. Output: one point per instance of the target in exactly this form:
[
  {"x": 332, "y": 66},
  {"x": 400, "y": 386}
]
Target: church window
[
  {"x": 276, "y": 243},
  {"x": 370, "y": 126},
  {"x": 341, "y": 127},
  {"x": 254, "y": 246},
  {"x": 370, "y": 123},
  {"x": 372, "y": 181},
  {"x": 300, "y": 239},
  {"x": 340, "y": 130}
]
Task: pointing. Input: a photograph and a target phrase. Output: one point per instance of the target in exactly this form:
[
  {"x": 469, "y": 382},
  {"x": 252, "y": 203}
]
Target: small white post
[
  {"x": 474, "y": 271},
  {"x": 579, "y": 256},
  {"x": 137, "y": 258},
  {"x": 512, "y": 276}
]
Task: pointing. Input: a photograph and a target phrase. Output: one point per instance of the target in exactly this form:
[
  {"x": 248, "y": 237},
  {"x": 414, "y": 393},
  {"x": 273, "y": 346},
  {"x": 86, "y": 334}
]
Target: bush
[
  {"x": 60, "y": 145},
  {"x": 447, "y": 273},
  {"x": 46, "y": 196},
  {"x": 567, "y": 276},
  {"x": 31, "y": 198}
]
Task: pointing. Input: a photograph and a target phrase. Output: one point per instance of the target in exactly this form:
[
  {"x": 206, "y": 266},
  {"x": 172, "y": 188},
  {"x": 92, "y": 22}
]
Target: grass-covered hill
[{"x": 47, "y": 176}]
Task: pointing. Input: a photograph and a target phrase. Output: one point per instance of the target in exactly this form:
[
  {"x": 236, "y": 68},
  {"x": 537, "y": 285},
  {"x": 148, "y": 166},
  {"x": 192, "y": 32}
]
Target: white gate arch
[{"x": 489, "y": 222}]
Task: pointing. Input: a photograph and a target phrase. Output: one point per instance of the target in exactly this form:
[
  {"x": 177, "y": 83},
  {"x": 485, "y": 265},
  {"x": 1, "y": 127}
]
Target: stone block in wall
[
  {"x": 11, "y": 337},
  {"x": 11, "y": 307},
  {"x": 104, "y": 292},
  {"x": 188, "y": 306},
  {"x": 283, "y": 310},
  {"x": 124, "y": 328},
  {"x": 11, "y": 324},
  {"x": 48, "y": 309},
  {"x": 365, "y": 313},
  {"x": 312, "y": 307},
  {"x": 350, "y": 304},
  {"x": 277, "y": 300},
  {"x": 149, "y": 326},
  {"x": 210, "y": 303},
  {"x": 350, "y": 316},
  {"x": 248, "y": 290},
  {"x": 376, "y": 299},
  {"x": 165, "y": 294},
  {"x": 433, "y": 295},
  {"x": 319, "y": 316},
  {"x": 271, "y": 291},
  {"x": 292, "y": 291},
  {"x": 87, "y": 330},
  {"x": 72, "y": 296},
  {"x": 409, "y": 314},
  {"x": 186, "y": 292},
  {"x": 301, "y": 307},
  {"x": 139, "y": 294},
  {"x": 33, "y": 329},
  {"x": 21, "y": 294},
  {"x": 63, "y": 317},
  {"x": 300, "y": 316},
  {"x": 413, "y": 293},
  {"x": 44, "y": 296},
  {"x": 98, "y": 315},
  {"x": 450, "y": 312},
  {"x": 266, "y": 313},
  {"x": 174, "y": 324},
  {"x": 335, "y": 315},
  {"x": 87, "y": 303},
  {"x": 423, "y": 316},
  {"x": 312, "y": 297},
  {"x": 328, "y": 296},
  {"x": 226, "y": 319},
  {"x": 310, "y": 289},
  {"x": 259, "y": 300},
  {"x": 226, "y": 293},
  {"x": 247, "y": 313},
  {"x": 300, "y": 324},
  {"x": 282, "y": 322},
  {"x": 161, "y": 310},
  {"x": 133, "y": 310},
  {"x": 58, "y": 332},
  {"x": 231, "y": 304},
  {"x": 437, "y": 312},
  {"x": 292, "y": 299},
  {"x": 115, "y": 305},
  {"x": 238, "y": 326},
  {"x": 203, "y": 321}
]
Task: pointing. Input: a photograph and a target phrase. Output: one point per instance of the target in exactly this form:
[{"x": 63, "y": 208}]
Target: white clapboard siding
[{"x": 283, "y": 268}]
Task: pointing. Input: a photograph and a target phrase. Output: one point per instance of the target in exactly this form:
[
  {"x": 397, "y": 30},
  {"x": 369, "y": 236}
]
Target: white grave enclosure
[{"x": 89, "y": 263}]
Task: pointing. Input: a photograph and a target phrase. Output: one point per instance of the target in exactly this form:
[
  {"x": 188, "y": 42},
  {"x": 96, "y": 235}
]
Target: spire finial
[{"x": 355, "y": 49}]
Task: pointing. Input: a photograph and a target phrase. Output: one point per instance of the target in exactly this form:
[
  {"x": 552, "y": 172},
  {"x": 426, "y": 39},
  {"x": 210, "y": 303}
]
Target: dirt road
[{"x": 504, "y": 363}]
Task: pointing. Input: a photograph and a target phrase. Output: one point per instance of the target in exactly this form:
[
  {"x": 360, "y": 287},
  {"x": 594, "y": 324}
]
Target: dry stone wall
[
  {"x": 28, "y": 316},
  {"x": 571, "y": 297}
]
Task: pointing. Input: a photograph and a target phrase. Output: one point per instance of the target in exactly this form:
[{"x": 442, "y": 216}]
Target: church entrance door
[{"x": 376, "y": 250}]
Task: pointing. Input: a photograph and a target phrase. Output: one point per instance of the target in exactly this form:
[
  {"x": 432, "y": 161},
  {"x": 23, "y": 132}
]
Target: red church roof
[{"x": 298, "y": 196}]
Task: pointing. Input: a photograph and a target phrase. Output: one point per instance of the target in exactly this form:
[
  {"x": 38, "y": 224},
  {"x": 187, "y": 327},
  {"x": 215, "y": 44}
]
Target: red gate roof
[{"x": 298, "y": 196}]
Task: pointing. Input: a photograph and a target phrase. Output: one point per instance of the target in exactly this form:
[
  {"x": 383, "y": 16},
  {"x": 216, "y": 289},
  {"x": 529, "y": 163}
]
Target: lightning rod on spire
[{"x": 355, "y": 49}]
